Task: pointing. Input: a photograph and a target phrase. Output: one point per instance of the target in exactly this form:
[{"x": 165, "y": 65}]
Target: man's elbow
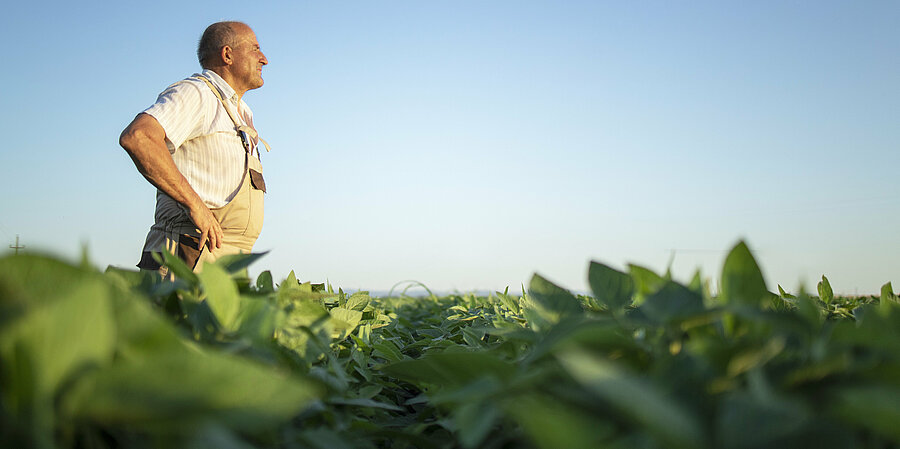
[
  {"x": 127, "y": 139},
  {"x": 136, "y": 135}
]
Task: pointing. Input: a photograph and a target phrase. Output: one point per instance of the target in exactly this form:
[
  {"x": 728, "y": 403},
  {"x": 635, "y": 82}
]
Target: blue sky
[{"x": 470, "y": 144}]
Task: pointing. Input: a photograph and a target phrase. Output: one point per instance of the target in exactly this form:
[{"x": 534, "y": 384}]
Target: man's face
[{"x": 248, "y": 60}]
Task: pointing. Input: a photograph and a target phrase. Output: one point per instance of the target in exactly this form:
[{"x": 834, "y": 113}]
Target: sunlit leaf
[
  {"x": 611, "y": 287},
  {"x": 742, "y": 280},
  {"x": 221, "y": 295}
]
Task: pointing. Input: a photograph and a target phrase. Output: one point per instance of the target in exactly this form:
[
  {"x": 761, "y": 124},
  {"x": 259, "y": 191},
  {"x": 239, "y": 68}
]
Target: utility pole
[{"x": 17, "y": 247}]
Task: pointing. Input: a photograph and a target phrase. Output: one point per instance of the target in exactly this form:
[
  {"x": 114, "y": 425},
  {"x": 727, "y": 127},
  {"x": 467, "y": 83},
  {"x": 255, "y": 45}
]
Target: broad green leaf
[
  {"x": 672, "y": 302},
  {"x": 29, "y": 280},
  {"x": 825, "y": 292},
  {"x": 645, "y": 281},
  {"x": 607, "y": 336},
  {"x": 358, "y": 301},
  {"x": 128, "y": 278},
  {"x": 259, "y": 319},
  {"x": 644, "y": 404},
  {"x": 872, "y": 407},
  {"x": 547, "y": 304},
  {"x": 807, "y": 308},
  {"x": 552, "y": 424},
  {"x": 179, "y": 389},
  {"x": 142, "y": 330},
  {"x": 370, "y": 391},
  {"x": 289, "y": 283},
  {"x": 479, "y": 390},
  {"x": 742, "y": 280},
  {"x": 234, "y": 263},
  {"x": 53, "y": 343},
  {"x": 344, "y": 321},
  {"x": 745, "y": 421},
  {"x": 611, "y": 287},
  {"x": 221, "y": 296},
  {"x": 388, "y": 351},
  {"x": 264, "y": 282},
  {"x": 450, "y": 368},
  {"x": 474, "y": 420}
]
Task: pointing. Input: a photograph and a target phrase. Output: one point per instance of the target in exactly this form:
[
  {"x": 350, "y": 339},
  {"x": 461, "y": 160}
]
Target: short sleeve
[{"x": 181, "y": 111}]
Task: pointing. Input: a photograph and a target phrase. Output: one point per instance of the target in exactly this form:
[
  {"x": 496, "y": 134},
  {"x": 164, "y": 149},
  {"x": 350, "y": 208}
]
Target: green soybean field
[{"x": 124, "y": 359}]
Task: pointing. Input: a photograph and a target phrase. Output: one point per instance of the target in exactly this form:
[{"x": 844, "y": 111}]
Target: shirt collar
[{"x": 225, "y": 88}]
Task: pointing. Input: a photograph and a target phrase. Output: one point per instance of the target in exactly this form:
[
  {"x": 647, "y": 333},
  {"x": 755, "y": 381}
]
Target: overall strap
[{"x": 241, "y": 128}]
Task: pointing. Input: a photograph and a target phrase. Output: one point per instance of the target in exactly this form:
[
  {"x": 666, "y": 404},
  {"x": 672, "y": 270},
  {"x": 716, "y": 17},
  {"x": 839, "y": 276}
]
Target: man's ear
[{"x": 225, "y": 54}]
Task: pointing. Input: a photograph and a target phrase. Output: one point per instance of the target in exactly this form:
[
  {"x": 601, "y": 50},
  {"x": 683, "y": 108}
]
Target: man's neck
[{"x": 231, "y": 80}]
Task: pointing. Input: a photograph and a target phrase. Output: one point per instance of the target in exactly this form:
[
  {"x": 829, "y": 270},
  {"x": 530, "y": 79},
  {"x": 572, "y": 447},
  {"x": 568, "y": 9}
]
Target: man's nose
[{"x": 262, "y": 58}]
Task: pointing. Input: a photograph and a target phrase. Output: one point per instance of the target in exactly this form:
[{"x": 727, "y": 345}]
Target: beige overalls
[{"x": 241, "y": 219}]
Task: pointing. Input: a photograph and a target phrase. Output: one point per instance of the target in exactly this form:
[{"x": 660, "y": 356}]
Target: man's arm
[{"x": 145, "y": 141}]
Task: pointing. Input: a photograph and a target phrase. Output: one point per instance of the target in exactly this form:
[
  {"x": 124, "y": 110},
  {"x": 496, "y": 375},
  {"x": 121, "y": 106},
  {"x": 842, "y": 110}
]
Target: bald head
[{"x": 216, "y": 36}]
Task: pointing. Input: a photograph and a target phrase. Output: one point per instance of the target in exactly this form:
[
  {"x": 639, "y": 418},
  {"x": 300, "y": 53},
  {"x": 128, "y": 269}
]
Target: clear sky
[{"x": 469, "y": 144}]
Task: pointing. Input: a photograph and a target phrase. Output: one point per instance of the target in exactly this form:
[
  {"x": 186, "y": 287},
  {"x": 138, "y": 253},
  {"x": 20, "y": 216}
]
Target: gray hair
[{"x": 214, "y": 38}]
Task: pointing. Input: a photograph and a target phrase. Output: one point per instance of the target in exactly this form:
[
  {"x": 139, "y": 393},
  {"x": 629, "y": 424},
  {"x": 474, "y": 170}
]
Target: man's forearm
[{"x": 145, "y": 141}]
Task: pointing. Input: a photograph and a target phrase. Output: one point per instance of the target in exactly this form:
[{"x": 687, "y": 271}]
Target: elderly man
[{"x": 198, "y": 147}]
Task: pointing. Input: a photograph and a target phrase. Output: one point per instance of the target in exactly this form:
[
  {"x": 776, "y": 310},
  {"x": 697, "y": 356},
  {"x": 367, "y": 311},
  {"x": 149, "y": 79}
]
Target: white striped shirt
[{"x": 202, "y": 138}]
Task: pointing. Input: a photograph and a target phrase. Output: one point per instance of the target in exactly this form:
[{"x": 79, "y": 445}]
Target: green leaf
[
  {"x": 552, "y": 424},
  {"x": 888, "y": 298},
  {"x": 234, "y": 263},
  {"x": 51, "y": 342},
  {"x": 358, "y": 301},
  {"x": 548, "y": 304},
  {"x": 324, "y": 439},
  {"x": 178, "y": 268},
  {"x": 258, "y": 319},
  {"x": 221, "y": 295},
  {"x": 872, "y": 407},
  {"x": 290, "y": 282},
  {"x": 508, "y": 301},
  {"x": 742, "y": 280},
  {"x": 365, "y": 402},
  {"x": 785, "y": 294},
  {"x": 646, "y": 281},
  {"x": 825, "y": 292},
  {"x": 673, "y": 302},
  {"x": 474, "y": 420},
  {"x": 178, "y": 390},
  {"x": 264, "y": 282},
  {"x": 606, "y": 336},
  {"x": 344, "y": 321},
  {"x": 370, "y": 391},
  {"x": 450, "y": 368},
  {"x": 611, "y": 287},
  {"x": 697, "y": 285},
  {"x": 746, "y": 421},
  {"x": 388, "y": 351},
  {"x": 638, "y": 400}
]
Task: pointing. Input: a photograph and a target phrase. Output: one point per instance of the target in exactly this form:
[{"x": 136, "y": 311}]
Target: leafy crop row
[{"x": 125, "y": 359}]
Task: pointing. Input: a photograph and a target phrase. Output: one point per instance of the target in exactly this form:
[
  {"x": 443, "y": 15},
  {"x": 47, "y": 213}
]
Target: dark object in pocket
[
  {"x": 189, "y": 249},
  {"x": 257, "y": 181},
  {"x": 148, "y": 262}
]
